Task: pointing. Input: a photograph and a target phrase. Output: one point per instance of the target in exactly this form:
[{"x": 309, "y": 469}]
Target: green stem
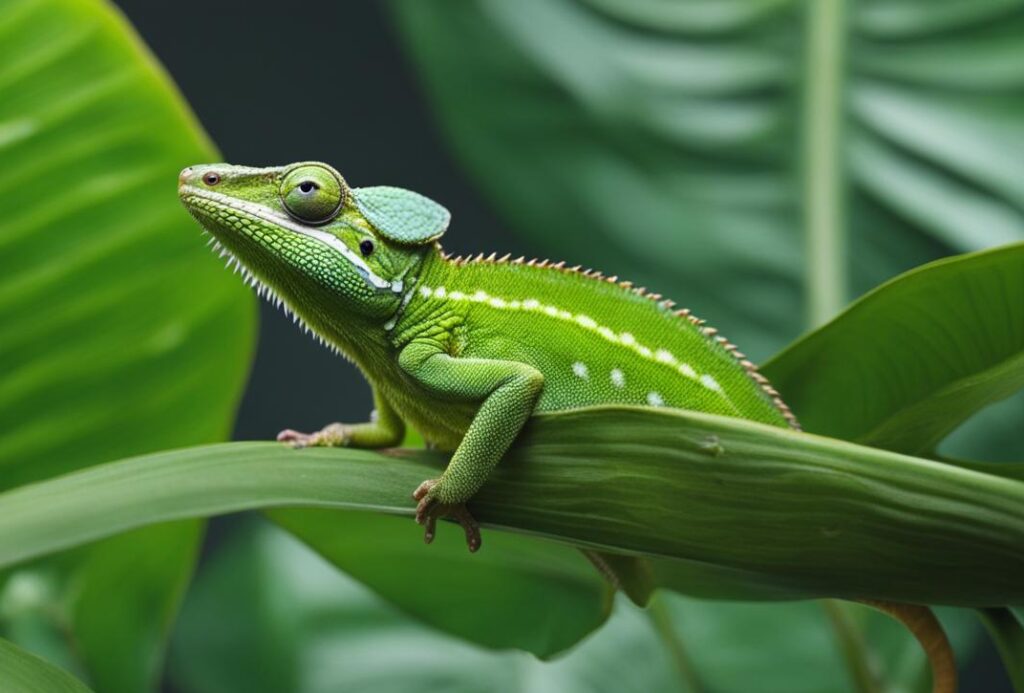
[
  {"x": 662, "y": 620},
  {"x": 851, "y": 645},
  {"x": 822, "y": 161},
  {"x": 1008, "y": 634}
]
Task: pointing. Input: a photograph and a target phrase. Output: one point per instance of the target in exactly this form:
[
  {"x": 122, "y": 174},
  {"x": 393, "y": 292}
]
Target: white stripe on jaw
[{"x": 270, "y": 216}]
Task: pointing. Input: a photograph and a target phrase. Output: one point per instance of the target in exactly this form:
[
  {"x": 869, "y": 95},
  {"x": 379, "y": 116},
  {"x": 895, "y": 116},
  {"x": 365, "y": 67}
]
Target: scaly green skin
[{"x": 462, "y": 350}]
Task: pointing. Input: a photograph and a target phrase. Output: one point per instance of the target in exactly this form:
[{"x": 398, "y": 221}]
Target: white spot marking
[{"x": 627, "y": 339}]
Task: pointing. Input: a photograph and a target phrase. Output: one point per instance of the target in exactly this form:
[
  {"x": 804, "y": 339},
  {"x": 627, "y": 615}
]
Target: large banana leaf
[
  {"x": 761, "y": 161},
  {"x": 119, "y": 334}
]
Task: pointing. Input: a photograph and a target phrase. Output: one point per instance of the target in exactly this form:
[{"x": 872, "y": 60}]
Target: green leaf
[
  {"x": 760, "y": 161},
  {"x": 312, "y": 628},
  {"x": 736, "y": 646},
  {"x": 1008, "y": 633},
  {"x": 110, "y": 620},
  {"x": 910, "y": 361},
  {"x": 22, "y": 672},
  {"x": 802, "y": 515},
  {"x": 108, "y": 350},
  {"x": 252, "y": 613},
  {"x": 263, "y": 597},
  {"x": 551, "y": 596}
]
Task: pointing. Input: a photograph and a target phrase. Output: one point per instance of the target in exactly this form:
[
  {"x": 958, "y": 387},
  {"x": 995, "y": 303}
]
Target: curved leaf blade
[
  {"x": 1007, "y": 632},
  {"x": 107, "y": 349},
  {"x": 313, "y": 628},
  {"x": 545, "y": 596},
  {"x": 804, "y": 515},
  {"x": 912, "y": 360},
  {"x": 22, "y": 672}
]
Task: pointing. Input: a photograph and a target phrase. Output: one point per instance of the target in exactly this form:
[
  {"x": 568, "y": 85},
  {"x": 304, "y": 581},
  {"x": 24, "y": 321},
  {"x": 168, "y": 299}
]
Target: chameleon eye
[
  {"x": 366, "y": 247},
  {"x": 313, "y": 193}
]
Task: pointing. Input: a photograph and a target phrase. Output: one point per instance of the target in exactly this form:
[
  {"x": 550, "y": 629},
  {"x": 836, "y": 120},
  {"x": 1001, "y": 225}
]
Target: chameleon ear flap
[{"x": 401, "y": 215}]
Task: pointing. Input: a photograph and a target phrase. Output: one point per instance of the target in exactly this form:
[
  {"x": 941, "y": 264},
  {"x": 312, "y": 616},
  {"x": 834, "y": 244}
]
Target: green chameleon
[{"x": 464, "y": 350}]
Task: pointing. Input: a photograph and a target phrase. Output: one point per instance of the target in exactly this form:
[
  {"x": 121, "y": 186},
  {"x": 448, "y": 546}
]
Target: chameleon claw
[
  {"x": 422, "y": 490},
  {"x": 332, "y": 435},
  {"x": 428, "y": 510},
  {"x": 295, "y": 438}
]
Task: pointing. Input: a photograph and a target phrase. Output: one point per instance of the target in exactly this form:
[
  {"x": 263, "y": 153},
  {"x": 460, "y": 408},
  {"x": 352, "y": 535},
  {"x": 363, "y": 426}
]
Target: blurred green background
[{"x": 760, "y": 161}]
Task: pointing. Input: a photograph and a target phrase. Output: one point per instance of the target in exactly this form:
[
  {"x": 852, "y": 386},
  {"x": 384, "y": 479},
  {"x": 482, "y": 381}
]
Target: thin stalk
[
  {"x": 822, "y": 160},
  {"x": 851, "y": 646},
  {"x": 662, "y": 621}
]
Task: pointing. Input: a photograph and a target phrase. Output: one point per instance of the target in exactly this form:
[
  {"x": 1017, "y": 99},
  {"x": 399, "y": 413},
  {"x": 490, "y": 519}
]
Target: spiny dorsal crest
[{"x": 710, "y": 332}]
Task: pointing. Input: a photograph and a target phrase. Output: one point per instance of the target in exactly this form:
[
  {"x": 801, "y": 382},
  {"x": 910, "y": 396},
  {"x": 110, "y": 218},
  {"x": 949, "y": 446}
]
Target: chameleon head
[{"x": 307, "y": 237}]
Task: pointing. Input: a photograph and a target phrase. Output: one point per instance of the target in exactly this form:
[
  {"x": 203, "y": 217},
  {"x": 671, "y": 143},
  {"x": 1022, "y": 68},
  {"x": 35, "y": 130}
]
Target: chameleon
[{"x": 465, "y": 350}]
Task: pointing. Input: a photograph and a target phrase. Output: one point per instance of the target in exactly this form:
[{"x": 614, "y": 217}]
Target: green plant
[{"x": 79, "y": 386}]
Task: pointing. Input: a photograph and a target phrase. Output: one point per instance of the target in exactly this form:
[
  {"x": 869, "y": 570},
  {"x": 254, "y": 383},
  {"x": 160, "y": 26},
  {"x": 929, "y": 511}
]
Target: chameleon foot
[
  {"x": 430, "y": 509},
  {"x": 333, "y": 435}
]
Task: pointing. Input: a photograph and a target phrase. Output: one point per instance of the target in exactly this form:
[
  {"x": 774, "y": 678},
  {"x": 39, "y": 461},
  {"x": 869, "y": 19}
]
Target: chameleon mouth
[
  {"x": 249, "y": 277},
  {"x": 255, "y": 212}
]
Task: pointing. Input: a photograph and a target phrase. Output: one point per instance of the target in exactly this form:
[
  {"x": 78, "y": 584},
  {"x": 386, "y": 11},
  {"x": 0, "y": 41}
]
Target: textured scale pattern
[
  {"x": 594, "y": 339},
  {"x": 402, "y": 216}
]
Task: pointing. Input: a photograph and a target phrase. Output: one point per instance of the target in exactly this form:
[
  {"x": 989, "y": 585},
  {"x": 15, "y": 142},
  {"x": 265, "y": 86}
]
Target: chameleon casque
[{"x": 464, "y": 350}]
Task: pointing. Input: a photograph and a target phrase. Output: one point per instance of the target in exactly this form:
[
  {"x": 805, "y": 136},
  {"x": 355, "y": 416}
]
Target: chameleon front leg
[
  {"x": 507, "y": 391},
  {"x": 387, "y": 430}
]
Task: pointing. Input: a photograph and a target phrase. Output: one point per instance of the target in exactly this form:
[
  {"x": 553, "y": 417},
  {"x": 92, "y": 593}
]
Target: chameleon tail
[{"x": 921, "y": 622}]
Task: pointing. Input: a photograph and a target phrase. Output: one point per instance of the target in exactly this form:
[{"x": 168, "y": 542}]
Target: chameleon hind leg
[
  {"x": 507, "y": 392},
  {"x": 387, "y": 430}
]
